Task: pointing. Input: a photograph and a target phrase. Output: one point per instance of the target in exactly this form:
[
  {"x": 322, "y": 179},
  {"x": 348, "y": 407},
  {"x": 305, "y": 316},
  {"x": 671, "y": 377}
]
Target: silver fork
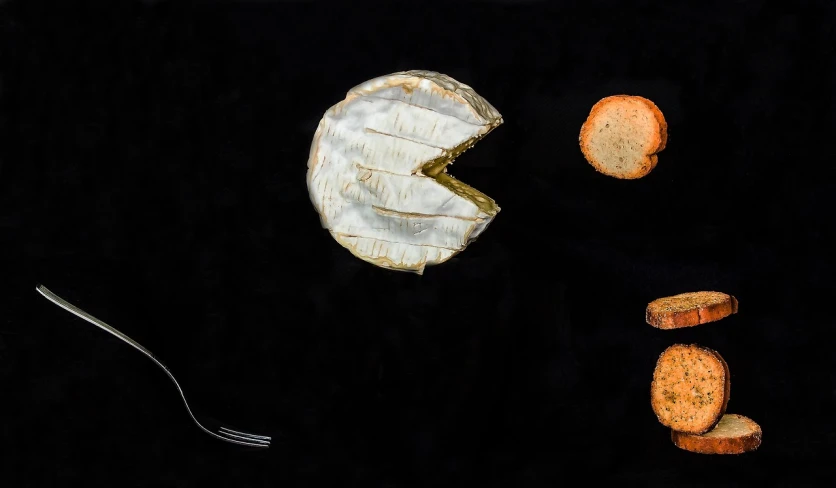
[{"x": 222, "y": 433}]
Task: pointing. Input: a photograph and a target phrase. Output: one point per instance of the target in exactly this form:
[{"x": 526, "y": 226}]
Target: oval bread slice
[
  {"x": 690, "y": 309},
  {"x": 622, "y": 136},
  {"x": 690, "y": 388},
  {"x": 734, "y": 434}
]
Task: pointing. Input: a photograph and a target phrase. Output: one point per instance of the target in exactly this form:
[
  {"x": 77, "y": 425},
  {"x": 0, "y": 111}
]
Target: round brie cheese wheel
[{"x": 377, "y": 169}]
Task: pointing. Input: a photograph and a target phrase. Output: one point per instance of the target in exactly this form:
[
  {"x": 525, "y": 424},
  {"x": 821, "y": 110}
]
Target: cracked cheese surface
[{"x": 377, "y": 169}]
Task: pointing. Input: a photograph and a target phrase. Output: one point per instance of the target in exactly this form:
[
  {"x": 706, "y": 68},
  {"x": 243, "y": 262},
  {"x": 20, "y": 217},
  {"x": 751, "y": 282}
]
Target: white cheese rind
[{"x": 365, "y": 166}]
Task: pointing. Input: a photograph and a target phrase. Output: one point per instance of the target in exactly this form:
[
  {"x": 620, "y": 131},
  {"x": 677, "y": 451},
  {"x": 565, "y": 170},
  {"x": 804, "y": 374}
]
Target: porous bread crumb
[{"x": 622, "y": 136}]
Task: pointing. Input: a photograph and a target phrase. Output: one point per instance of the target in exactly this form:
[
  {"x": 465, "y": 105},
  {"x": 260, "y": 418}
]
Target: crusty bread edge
[
  {"x": 657, "y": 144},
  {"x": 653, "y": 156},
  {"x": 726, "y": 387},
  {"x": 660, "y": 118},
  {"x": 720, "y": 445},
  {"x": 727, "y": 372},
  {"x": 692, "y": 317}
]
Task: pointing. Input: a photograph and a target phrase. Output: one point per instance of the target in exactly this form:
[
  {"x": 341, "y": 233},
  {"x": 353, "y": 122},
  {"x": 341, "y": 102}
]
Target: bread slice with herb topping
[
  {"x": 690, "y": 388},
  {"x": 734, "y": 434},
  {"x": 689, "y": 309}
]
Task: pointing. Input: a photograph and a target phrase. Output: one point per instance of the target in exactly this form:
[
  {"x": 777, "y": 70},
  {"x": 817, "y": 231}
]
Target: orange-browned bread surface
[
  {"x": 690, "y": 388},
  {"x": 734, "y": 434},
  {"x": 622, "y": 136},
  {"x": 689, "y": 309}
]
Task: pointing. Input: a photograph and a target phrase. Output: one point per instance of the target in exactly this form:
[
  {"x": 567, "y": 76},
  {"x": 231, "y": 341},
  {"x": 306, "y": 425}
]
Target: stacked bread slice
[
  {"x": 691, "y": 384},
  {"x": 621, "y": 138}
]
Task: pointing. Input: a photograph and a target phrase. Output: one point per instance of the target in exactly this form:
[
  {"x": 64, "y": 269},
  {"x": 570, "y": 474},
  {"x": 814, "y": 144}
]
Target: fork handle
[
  {"x": 97, "y": 322},
  {"x": 230, "y": 435}
]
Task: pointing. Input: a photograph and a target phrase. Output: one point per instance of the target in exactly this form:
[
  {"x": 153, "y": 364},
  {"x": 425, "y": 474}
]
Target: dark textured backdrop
[{"x": 152, "y": 166}]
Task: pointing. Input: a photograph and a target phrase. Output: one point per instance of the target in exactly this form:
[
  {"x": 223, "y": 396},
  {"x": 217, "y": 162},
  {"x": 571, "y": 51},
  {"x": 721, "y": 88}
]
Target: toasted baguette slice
[
  {"x": 622, "y": 136},
  {"x": 690, "y": 388},
  {"x": 689, "y": 309},
  {"x": 734, "y": 434}
]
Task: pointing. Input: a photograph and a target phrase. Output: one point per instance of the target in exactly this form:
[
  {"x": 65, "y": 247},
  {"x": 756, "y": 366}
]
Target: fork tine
[
  {"x": 245, "y": 434},
  {"x": 242, "y": 443},
  {"x": 246, "y": 440}
]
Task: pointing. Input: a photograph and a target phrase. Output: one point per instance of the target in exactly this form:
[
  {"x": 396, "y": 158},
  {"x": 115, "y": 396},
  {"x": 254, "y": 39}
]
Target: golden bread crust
[
  {"x": 690, "y": 309},
  {"x": 746, "y": 437}
]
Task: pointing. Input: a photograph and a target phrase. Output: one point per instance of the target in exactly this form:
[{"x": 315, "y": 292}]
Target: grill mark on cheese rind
[
  {"x": 689, "y": 389},
  {"x": 413, "y": 123},
  {"x": 446, "y": 203},
  {"x": 421, "y": 107},
  {"x": 377, "y": 239},
  {"x": 397, "y": 213},
  {"x": 369, "y": 130},
  {"x": 411, "y": 82},
  {"x": 448, "y": 232},
  {"x": 360, "y": 247}
]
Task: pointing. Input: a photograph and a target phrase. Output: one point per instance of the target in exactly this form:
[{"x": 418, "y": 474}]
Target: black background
[{"x": 153, "y": 173}]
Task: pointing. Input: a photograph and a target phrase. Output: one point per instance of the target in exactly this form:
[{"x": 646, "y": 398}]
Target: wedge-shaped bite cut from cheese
[
  {"x": 377, "y": 169},
  {"x": 734, "y": 434}
]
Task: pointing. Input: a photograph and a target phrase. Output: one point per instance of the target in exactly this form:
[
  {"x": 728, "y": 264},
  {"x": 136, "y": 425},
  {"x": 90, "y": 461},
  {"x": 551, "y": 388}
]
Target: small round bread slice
[
  {"x": 622, "y": 136},
  {"x": 690, "y": 309},
  {"x": 690, "y": 388},
  {"x": 734, "y": 434}
]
